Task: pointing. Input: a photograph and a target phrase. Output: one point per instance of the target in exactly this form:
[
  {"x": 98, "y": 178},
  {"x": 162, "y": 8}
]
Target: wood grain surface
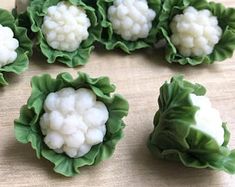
[{"x": 137, "y": 77}]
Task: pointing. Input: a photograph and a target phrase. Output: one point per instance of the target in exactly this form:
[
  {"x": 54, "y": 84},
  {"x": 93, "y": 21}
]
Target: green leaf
[
  {"x": 109, "y": 145},
  {"x": 38, "y": 10},
  {"x": 22, "y": 132},
  {"x": 174, "y": 136},
  {"x": 118, "y": 108},
  {"x": 22, "y": 20},
  {"x": 3, "y": 82},
  {"x": 226, "y": 135},
  {"x": 27, "y": 126},
  {"x": 223, "y": 50},
  {"x": 88, "y": 159},
  {"x": 23, "y": 51},
  {"x": 41, "y": 87},
  {"x": 226, "y": 16},
  {"x": 63, "y": 164},
  {"x": 25, "y": 131},
  {"x": 112, "y": 40}
]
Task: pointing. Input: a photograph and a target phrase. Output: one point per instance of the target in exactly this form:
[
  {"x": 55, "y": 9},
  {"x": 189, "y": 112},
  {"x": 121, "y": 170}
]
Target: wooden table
[{"x": 138, "y": 77}]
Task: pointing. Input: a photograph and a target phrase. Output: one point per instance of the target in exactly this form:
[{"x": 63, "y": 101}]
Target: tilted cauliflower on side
[
  {"x": 207, "y": 118},
  {"x": 65, "y": 26},
  {"x": 73, "y": 121},
  {"x": 8, "y": 46},
  {"x": 195, "y": 32},
  {"x": 132, "y": 19},
  {"x": 189, "y": 130}
]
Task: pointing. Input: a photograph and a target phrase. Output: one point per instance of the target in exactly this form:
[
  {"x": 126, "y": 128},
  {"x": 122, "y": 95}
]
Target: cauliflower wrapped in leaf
[
  {"x": 129, "y": 24},
  {"x": 65, "y": 30},
  {"x": 72, "y": 122},
  {"x": 189, "y": 130},
  {"x": 197, "y": 32},
  {"x": 15, "y": 46}
]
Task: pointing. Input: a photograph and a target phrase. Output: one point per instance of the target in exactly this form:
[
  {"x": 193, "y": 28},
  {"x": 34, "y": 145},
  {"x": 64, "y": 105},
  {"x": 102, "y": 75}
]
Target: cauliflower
[
  {"x": 73, "y": 121},
  {"x": 21, "y": 5},
  {"x": 188, "y": 129},
  {"x": 207, "y": 118},
  {"x": 65, "y": 26},
  {"x": 132, "y": 19},
  {"x": 195, "y": 33},
  {"x": 8, "y": 46}
]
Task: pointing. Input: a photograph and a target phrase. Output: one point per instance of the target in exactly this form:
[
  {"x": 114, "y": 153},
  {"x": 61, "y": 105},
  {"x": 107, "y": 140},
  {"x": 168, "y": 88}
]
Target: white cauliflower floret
[
  {"x": 207, "y": 118},
  {"x": 65, "y": 26},
  {"x": 8, "y": 46},
  {"x": 85, "y": 99},
  {"x": 132, "y": 19},
  {"x": 73, "y": 121},
  {"x": 94, "y": 136},
  {"x": 21, "y": 5},
  {"x": 195, "y": 33}
]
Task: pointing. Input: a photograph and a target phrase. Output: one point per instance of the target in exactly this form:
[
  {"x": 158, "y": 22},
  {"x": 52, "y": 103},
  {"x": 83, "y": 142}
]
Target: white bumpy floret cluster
[
  {"x": 132, "y": 19},
  {"x": 8, "y": 46},
  {"x": 65, "y": 26},
  {"x": 207, "y": 118},
  {"x": 73, "y": 121},
  {"x": 195, "y": 33}
]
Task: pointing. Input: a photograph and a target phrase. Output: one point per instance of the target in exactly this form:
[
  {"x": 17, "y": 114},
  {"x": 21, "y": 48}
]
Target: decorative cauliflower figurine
[
  {"x": 197, "y": 32},
  {"x": 129, "y": 24},
  {"x": 72, "y": 122},
  {"x": 65, "y": 26},
  {"x": 132, "y": 19},
  {"x": 8, "y": 46},
  {"x": 188, "y": 129},
  {"x": 15, "y": 46},
  {"x": 65, "y": 30}
]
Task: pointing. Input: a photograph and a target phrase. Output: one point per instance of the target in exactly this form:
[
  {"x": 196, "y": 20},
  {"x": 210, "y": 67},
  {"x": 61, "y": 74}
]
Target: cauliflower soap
[
  {"x": 8, "y": 46},
  {"x": 65, "y": 26},
  {"x": 131, "y": 19},
  {"x": 73, "y": 121},
  {"x": 195, "y": 32}
]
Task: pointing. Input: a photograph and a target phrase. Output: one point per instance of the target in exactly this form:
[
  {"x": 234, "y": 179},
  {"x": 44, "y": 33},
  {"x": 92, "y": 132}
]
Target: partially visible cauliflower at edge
[
  {"x": 207, "y": 118},
  {"x": 73, "y": 121},
  {"x": 195, "y": 32},
  {"x": 8, "y": 46},
  {"x": 132, "y": 19},
  {"x": 65, "y": 26}
]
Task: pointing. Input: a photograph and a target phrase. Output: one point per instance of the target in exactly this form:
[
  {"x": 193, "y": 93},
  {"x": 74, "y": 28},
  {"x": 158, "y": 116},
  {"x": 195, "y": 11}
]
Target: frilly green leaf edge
[
  {"x": 27, "y": 127},
  {"x": 112, "y": 40},
  {"x": 23, "y": 51},
  {"x": 173, "y": 137},
  {"x": 226, "y": 17},
  {"x": 37, "y": 10}
]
